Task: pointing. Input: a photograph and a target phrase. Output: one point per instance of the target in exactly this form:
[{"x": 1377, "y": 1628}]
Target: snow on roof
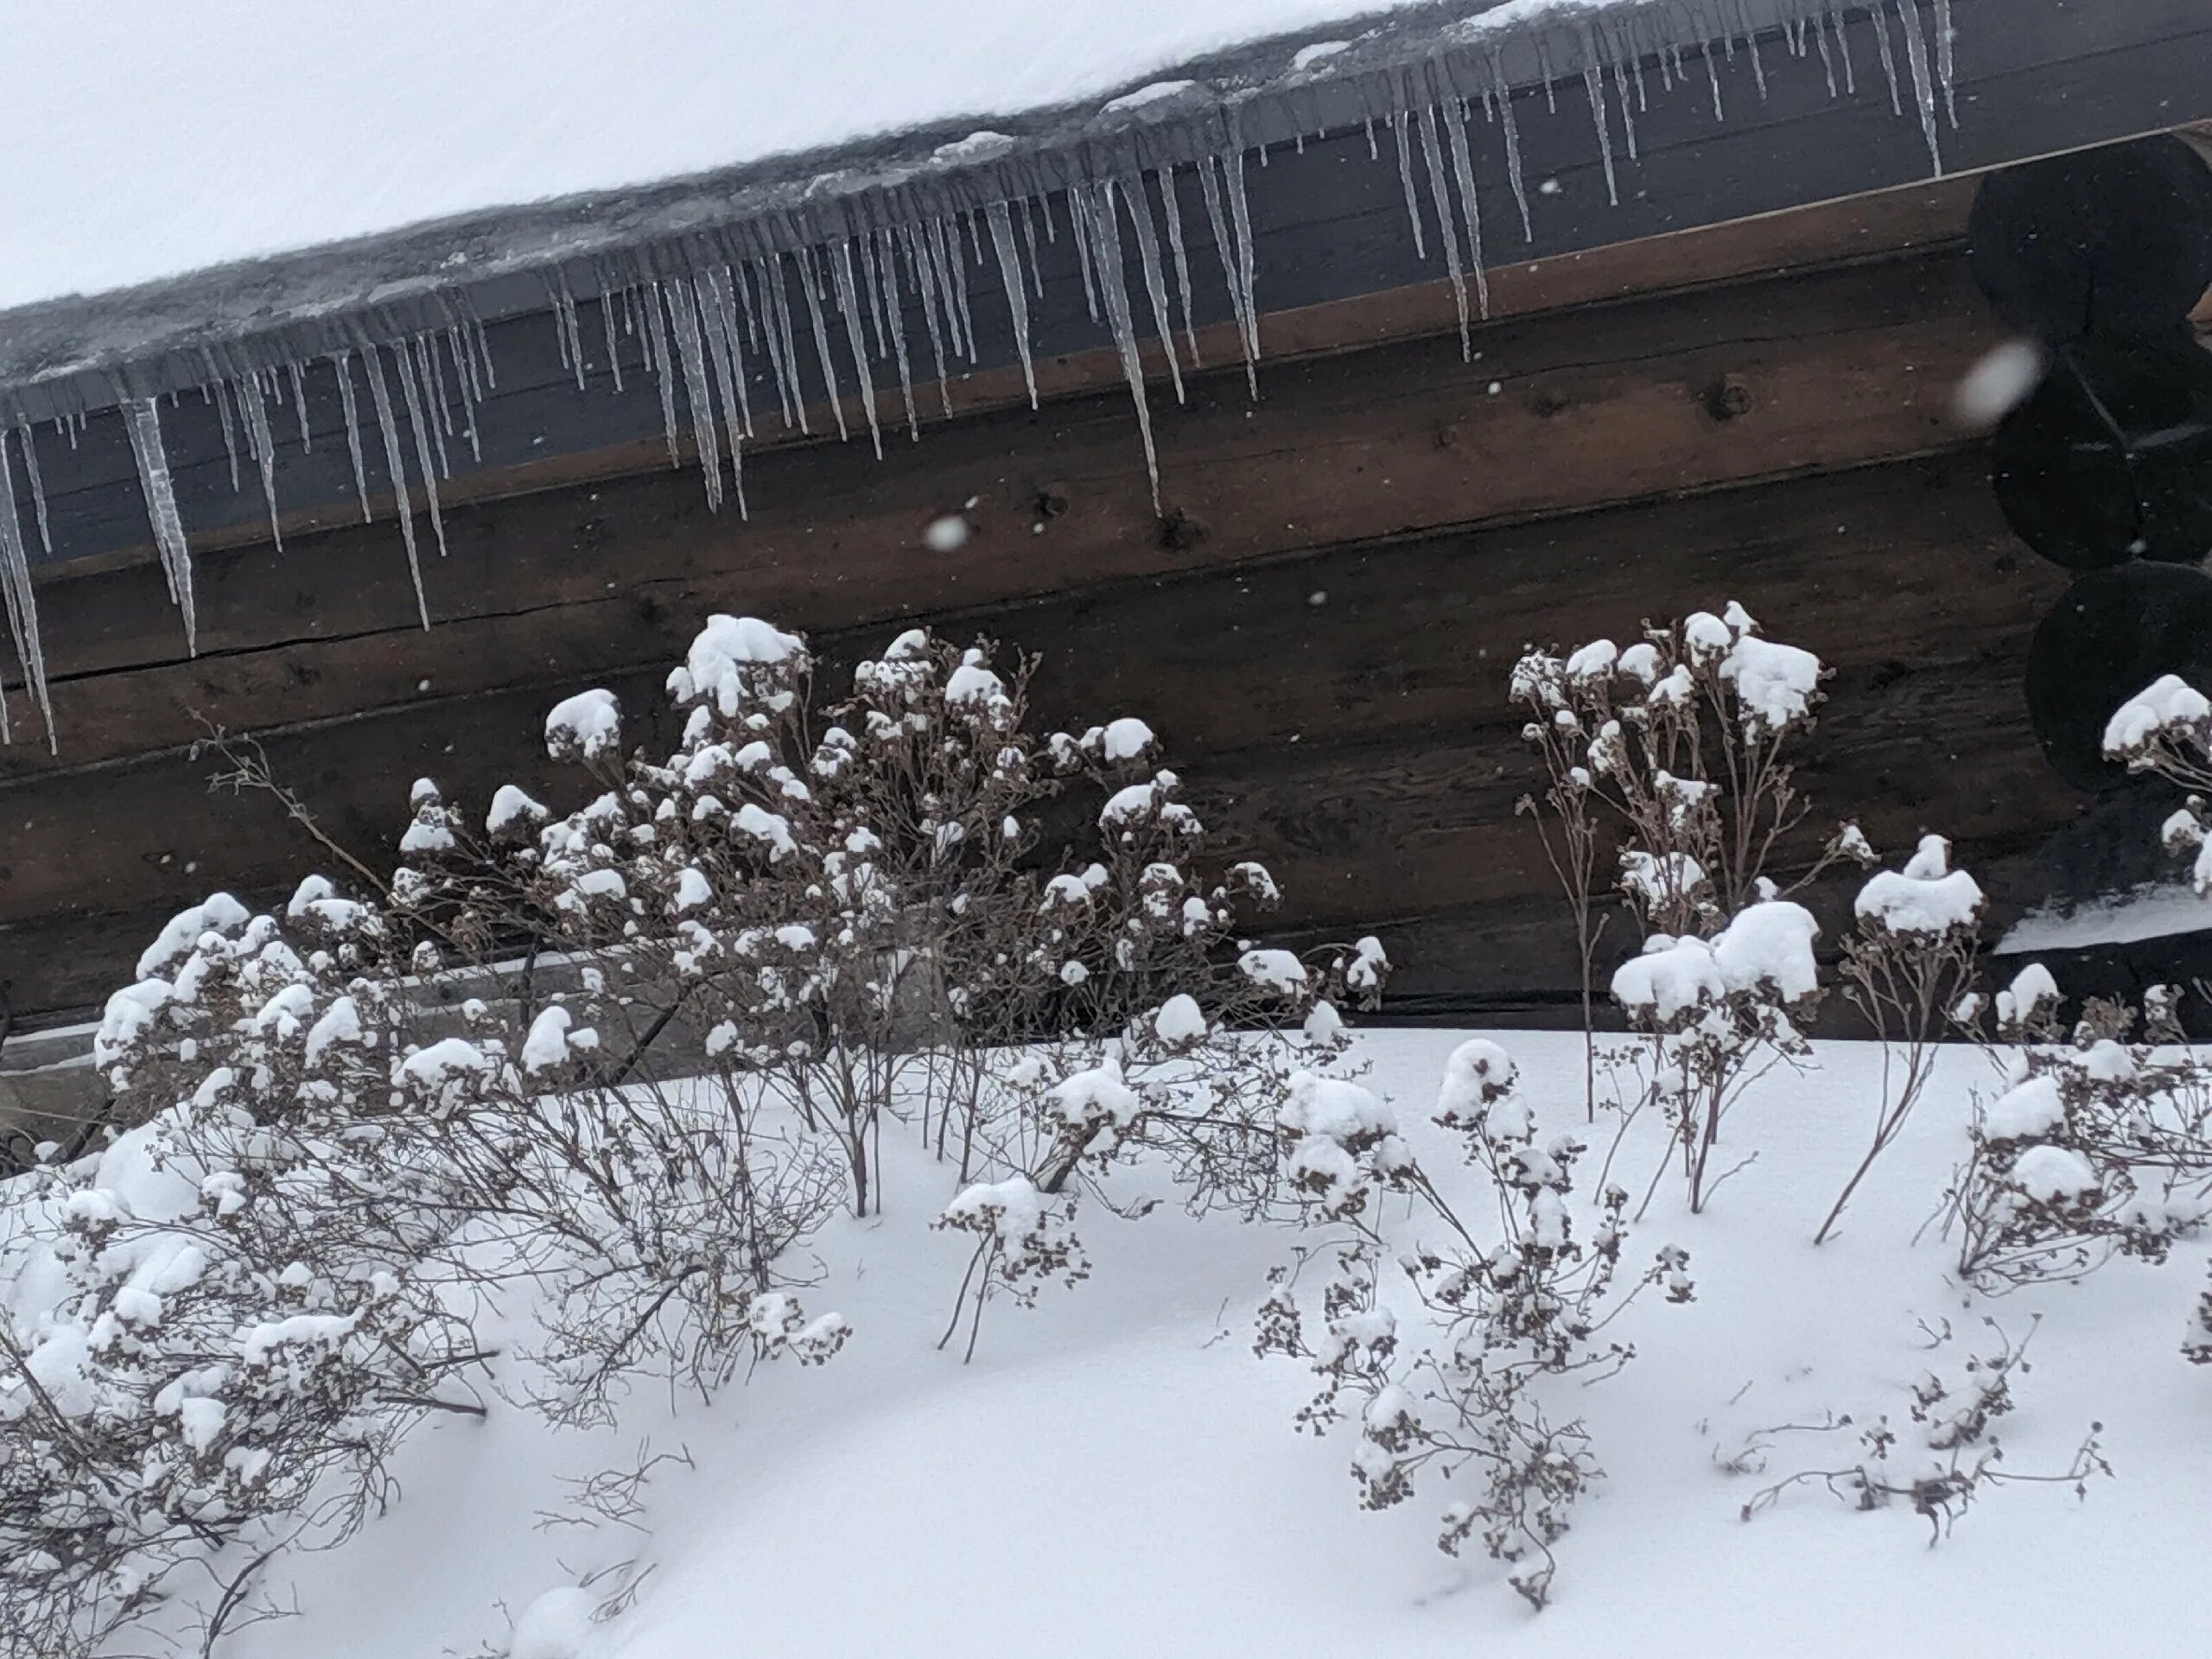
[
  {"x": 875, "y": 156},
  {"x": 175, "y": 138}
]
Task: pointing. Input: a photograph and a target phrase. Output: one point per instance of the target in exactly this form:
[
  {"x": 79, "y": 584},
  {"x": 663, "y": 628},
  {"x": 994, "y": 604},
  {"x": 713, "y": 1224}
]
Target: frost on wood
[{"x": 815, "y": 291}]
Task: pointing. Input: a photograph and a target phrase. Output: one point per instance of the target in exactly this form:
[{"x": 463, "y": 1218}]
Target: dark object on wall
[
  {"x": 2112, "y": 634},
  {"x": 2110, "y": 457},
  {"x": 2116, "y": 241}
]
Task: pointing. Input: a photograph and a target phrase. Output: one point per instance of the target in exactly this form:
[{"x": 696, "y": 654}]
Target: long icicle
[
  {"x": 1923, "y": 86},
  {"x": 1406, "y": 179},
  {"x": 883, "y": 256},
  {"x": 260, "y": 445},
  {"x": 38, "y": 489},
  {"x": 848, "y": 302},
  {"x": 1504, "y": 94},
  {"x": 657, "y": 357},
  {"x": 1594, "y": 86},
  {"x": 395, "y": 463},
  {"x": 1881, "y": 19},
  {"x": 412, "y": 393},
  {"x": 342, "y": 362},
  {"x": 142, "y": 420},
  {"x": 21, "y": 603},
  {"x": 1240, "y": 216},
  {"x": 727, "y": 330},
  {"x": 1945, "y": 35},
  {"x": 1182, "y": 254},
  {"x": 1439, "y": 187},
  {"x": 810, "y": 282},
  {"x": 1156, "y": 281},
  {"x": 1017, "y": 296},
  {"x": 691, "y": 355},
  {"x": 719, "y": 313},
  {"x": 925, "y": 285},
  {"x": 1093, "y": 207},
  {"x": 1463, "y": 169}
]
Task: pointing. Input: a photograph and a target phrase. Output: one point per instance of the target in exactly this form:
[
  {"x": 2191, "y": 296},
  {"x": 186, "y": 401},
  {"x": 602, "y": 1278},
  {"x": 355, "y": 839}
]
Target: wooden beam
[
  {"x": 1363, "y": 746},
  {"x": 1686, "y": 391}
]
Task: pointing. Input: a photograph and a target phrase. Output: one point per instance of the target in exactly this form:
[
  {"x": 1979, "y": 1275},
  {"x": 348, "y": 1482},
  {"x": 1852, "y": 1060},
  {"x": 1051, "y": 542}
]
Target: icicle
[
  {"x": 1406, "y": 178},
  {"x": 1827, "y": 61},
  {"x": 1240, "y": 213},
  {"x": 1094, "y": 209},
  {"x": 343, "y": 363},
  {"x": 571, "y": 326},
  {"x": 1544, "y": 73},
  {"x": 1447, "y": 232},
  {"x": 38, "y": 489},
  {"x": 1627, "y": 114},
  {"x": 262, "y": 447},
  {"x": 1945, "y": 35},
  {"x": 606, "y": 326},
  {"x": 769, "y": 273},
  {"x": 1083, "y": 250},
  {"x": 656, "y": 342},
  {"x": 883, "y": 260},
  {"x": 841, "y": 272},
  {"x": 873, "y": 290},
  {"x": 691, "y": 355},
  {"x": 955, "y": 277},
  {"x": 1513, "y": 172},
  {"x": 142, "y": 420},
  {"x": 810, "y": 283},
  {"x": 412, "y": 392},
  {"x": 1181, "y": 252},
  {"x": 1595, "y": 88},
  {"x": 1017, "y": 296},
  {"x": 1923, "y": 85},
  {"x": 1758, "y": 64},
  {"x": 1463, "y": 169},
  {"x": 1368, "y": 125},
  {"x": 297, "y": 376},
  {"x": 1713, "y": 80},
  {"x": 724, "y": 286},
  {"x": 925, "y": 286},
  {"x": 1843, "y": 48},
  {"x": 470, "y": 388},
  {"x": 21, "y": 603},
  {"x": 786, "y": 336},
  {"x": 720, "y": 313},
  {"x": 423, "y": 350},
  {"x": 395, "y": 463},
  {"x": 480, "y": 337},
  {"x": 1225, "y": 247},
  {"x": 1027, "y": 220},
  {"x": 1888, "y": 62},
  {"x": 1155, "y": 283},
  {"x": 222, "y": 402}
]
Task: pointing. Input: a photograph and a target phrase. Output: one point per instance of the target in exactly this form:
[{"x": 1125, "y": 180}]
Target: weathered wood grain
[{"x": 1687, "y": 392}]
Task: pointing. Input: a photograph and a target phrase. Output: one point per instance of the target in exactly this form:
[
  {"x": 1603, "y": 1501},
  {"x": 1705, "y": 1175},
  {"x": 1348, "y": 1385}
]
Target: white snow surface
[
  {"x": 1115, "y": 1469},
  {"x": 160, "y": 138}
]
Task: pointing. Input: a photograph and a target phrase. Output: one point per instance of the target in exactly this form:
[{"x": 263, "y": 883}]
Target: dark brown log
[
  {"x": 1833, "y": 369},
  {"x": 1364, "y": 747}
]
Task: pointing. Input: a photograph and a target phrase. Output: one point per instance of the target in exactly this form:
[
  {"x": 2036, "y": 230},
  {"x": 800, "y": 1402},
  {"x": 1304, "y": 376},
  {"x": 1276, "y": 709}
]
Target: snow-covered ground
[
  {"x": 161, "y": 138},
  {"x": 1116, "y": 1473}
]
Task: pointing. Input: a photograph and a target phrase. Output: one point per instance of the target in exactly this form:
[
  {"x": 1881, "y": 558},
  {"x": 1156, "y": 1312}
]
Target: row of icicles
[{"x": 715, "y": 329}]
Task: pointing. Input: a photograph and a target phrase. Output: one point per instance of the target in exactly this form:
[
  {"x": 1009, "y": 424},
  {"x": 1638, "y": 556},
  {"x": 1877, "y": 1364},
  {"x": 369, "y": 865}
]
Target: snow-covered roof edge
[
  {"x": 747, "y": 277},
  {"x": 68, "y": 355}
]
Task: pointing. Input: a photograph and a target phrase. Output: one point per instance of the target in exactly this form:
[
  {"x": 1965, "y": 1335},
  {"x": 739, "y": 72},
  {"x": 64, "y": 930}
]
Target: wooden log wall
[{"x": 1319, "y": 624}]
